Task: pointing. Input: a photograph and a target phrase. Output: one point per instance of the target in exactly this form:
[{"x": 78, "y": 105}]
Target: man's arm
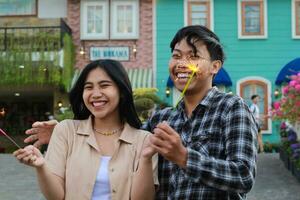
[{"x": 40, "y": 133}]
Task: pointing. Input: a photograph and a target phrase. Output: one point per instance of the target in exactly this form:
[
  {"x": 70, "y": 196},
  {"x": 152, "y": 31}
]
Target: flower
[{"x": 287, "y": 108}]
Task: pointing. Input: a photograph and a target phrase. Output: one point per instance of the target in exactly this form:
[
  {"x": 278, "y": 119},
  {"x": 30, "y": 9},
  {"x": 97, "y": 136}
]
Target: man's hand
[
  {"x": 167, "y": 142},
  {"x": 40, "y": 133}
]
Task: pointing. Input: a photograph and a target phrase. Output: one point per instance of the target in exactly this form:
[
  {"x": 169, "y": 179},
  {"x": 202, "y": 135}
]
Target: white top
[
  {"x": 102, "y": 186},
  {"x": 255, "y": 111}
]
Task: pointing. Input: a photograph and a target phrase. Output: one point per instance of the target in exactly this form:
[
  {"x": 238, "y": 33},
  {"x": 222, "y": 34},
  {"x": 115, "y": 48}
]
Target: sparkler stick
[
  {"x": 194, "y": 69},
  {"x": 3, "y": 133}
]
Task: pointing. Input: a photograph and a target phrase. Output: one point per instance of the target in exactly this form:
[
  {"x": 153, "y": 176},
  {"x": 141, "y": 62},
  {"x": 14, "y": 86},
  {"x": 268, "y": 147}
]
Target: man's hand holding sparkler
[
  {"x": 40, "y": 133},
  {"x": 31, "y": 156},
  {"x": 167, "y": 142}
]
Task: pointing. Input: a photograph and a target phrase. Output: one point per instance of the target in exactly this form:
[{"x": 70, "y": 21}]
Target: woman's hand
[
  {"x": 148, "y": 151},
  {"x": 30, "y": 156}
]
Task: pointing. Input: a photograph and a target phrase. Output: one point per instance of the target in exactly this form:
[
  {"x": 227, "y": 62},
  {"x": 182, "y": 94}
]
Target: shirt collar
[
  {"x": 86, "y": 128},
  {"x": 206, "y": 101}
]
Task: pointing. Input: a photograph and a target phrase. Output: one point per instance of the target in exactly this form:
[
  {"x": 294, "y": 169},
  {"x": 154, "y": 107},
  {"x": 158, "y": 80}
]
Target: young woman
[{"x": 101, "y": 154}]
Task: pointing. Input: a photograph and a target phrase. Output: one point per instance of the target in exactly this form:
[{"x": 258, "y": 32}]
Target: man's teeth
[{"x": 182, "y": 75}]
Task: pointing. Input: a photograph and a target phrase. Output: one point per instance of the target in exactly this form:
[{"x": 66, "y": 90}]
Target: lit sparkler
[{"x": 3, "y": 133}]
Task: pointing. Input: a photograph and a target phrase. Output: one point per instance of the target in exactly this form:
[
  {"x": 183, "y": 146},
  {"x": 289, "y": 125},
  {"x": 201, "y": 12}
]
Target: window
[
  {"x": 252, "y": 19},
  {"x": 296, "y": 18},
  {"x": 18, "y": 7},
  {"x": 122, "y": 23},
  {"x": 255, "y": 85},
  {"x": 199, "y": 12},
  {"x": 94, "y": 24}
]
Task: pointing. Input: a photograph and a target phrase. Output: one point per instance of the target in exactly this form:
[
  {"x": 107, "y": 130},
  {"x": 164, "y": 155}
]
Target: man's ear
[{"x": 216, "y": 66}]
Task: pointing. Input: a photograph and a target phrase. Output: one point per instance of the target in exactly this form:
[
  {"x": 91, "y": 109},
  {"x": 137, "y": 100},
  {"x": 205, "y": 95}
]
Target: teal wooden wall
[
  {"x": 245, "y": 57},
  {"x": 169, "y": 18}
]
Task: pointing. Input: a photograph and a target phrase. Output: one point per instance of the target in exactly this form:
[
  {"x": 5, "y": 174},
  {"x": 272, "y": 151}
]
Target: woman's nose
[{"x": 97, "y": 93}]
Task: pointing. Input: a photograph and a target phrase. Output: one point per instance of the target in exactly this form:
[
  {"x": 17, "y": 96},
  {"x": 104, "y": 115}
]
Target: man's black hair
[
  {"x": 196, "y": 33},
  {"x": 117, "y": 73},
  {"x": 254, "y": 96}
]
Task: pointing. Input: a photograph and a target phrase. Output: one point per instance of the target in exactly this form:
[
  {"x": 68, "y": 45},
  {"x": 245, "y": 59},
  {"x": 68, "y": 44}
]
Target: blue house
[{"x": 261, "y": 39}]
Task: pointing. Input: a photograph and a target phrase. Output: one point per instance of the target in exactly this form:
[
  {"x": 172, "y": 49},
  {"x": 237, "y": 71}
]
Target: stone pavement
[
  {"x": 273, "y": 182},
  {"x": 17, "y": 181}
]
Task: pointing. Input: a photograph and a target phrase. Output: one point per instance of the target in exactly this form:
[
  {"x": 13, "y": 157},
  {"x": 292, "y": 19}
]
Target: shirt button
[
  {"x": 114, "y": 191},
  {"x": 112, "y": 169}
]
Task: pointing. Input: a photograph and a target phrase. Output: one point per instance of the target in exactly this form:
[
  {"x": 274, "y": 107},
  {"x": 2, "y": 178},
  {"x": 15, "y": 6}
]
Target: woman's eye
[{"x": 87, "y": 87}]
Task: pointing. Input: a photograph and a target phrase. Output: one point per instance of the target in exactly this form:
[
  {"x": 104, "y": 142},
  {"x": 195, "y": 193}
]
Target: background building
[
  {"x": 259, "y": 36},
  {"x": 36, "y": 53}
]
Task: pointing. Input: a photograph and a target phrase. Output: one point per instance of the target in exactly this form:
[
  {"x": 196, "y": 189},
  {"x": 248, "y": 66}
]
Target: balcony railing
[
  {"x": 36, "y": 55},
  {"x": 35, "y": 38}
]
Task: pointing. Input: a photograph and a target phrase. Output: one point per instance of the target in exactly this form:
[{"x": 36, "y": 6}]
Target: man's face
[
  {"x": 182, "y": 57},
  {"x": 256, "y": 100}
]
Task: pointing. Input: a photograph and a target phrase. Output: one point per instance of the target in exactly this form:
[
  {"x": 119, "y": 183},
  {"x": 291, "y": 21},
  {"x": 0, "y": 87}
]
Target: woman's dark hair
[
  {"x": 117, "y": 73},
  {"x": 196, "y": 33}
]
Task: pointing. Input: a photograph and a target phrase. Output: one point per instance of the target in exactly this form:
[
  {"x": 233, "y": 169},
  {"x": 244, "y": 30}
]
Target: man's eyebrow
[{"x": 190, "y": 51}]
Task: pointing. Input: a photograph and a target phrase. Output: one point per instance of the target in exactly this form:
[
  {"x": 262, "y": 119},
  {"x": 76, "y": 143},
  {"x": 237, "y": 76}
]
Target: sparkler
[
  {"x": 3, "y": 133},
  {"x": 194, "y": 68}
]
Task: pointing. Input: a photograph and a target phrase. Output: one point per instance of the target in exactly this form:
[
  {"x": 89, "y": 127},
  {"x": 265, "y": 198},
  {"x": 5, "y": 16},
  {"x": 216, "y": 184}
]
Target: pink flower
[
  {"x": 276, "y": 105},
  {"x": 292, "y": 83},
  {"x": 297, "y": 104},
  {"x": 297, "y": 87},
  {"x": 285, "y": 90}
]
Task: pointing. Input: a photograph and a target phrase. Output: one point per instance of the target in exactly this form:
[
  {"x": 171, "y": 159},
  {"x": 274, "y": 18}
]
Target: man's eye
[
  {"x": 194, "y": 57},
  {"x": 175, "y": 56}
]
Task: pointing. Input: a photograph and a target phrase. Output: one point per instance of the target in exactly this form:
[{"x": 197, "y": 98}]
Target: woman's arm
[
  {"x": 143, "y": 182},
  {"x": 52, "y": 186}
]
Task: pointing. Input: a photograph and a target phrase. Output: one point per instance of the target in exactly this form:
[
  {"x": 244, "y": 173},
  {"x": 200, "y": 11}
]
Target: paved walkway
[
  {"x": 17, "y": 181},
  {"x": 274, "y": 182}
]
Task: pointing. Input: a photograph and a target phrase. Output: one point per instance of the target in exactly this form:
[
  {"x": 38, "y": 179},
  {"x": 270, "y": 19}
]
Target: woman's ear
[{"x": 216, "y": 66}]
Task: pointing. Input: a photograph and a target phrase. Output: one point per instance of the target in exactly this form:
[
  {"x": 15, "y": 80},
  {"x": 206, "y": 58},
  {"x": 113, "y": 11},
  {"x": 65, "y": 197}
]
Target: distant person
[
  {"x": 101, "y": 154},
  {"x": 255, "y": 111}
]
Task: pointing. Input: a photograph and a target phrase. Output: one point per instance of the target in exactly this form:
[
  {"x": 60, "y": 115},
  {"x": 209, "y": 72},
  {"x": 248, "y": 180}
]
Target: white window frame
[
  {"x": 269, "y": 95},
  {"x": 211, "y": 12},
  {"x": 84, "y": 35},
  {"x": 294, "y": 29},
  {"x": 265, "y": 18},
  {"x": 135, "y": 20}
]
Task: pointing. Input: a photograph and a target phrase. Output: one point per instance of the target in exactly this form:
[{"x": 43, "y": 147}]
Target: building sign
[{"x": 116, "y": 53}]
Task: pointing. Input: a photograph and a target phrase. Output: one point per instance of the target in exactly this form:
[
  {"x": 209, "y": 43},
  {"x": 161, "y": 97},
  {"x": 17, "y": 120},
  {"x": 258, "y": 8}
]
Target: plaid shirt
[{"x": 220, "y": 137}]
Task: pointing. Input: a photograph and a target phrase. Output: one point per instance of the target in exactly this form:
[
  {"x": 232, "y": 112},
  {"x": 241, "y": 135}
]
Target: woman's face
[{"x": 101, "y": 95}]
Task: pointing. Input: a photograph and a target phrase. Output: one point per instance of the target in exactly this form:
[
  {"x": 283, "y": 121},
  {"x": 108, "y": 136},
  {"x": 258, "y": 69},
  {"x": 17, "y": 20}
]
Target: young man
[
  {"x": 207, "y": 144},
  {"x": 255, "y": 111}
]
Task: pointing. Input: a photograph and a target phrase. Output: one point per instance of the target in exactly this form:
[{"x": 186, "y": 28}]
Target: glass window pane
[
  {"x": 198, "y": 21},
  {"x": 94, "y": 19},
  {"x": 17, "y": 7},
  {"x": 199, "y": 14},
  {"x": 199, "y": 8},
  {"x": 252, "y": 18},
  {"x": 124, "y": 18}
]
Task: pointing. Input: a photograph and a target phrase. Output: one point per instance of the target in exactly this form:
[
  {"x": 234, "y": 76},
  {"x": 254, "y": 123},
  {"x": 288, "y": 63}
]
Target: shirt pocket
[{"x": 200, "y": 142}]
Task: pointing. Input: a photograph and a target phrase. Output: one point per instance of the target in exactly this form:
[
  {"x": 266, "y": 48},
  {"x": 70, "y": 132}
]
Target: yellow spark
[
  {"x": 192, "y": 67},
  {"x": 195, "y": 69}
]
